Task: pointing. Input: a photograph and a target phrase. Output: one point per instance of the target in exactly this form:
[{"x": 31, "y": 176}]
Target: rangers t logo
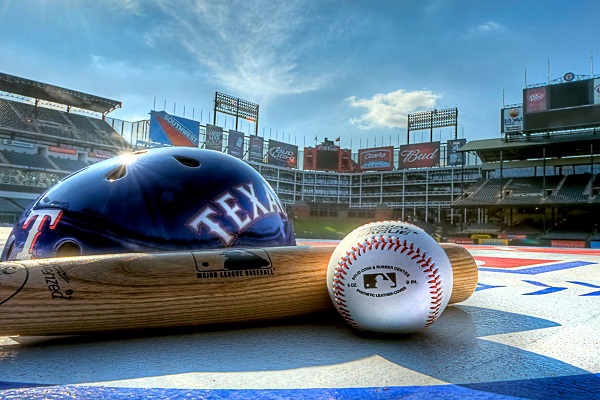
[{"x": 35, "y": 223}]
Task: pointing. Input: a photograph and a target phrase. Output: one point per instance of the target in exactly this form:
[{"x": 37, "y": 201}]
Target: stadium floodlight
[
  {"x": 236, "y": 107},
  {"x": 433, "y": 119}
]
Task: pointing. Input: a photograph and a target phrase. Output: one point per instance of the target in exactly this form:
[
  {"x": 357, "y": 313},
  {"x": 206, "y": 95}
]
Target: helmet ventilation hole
[
  {"x": 188, "y": 161},
  {"x": 117, "y": 173},
  {"x": 68, "y": 249}
]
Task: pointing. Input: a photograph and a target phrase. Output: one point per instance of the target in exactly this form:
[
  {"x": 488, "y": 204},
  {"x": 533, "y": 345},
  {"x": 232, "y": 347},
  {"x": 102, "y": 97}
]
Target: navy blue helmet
[{"x": 167, "y": 199}]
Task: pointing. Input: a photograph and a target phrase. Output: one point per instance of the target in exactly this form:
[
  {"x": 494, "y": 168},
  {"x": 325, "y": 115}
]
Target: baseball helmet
[{"x": 166, "y": 199}]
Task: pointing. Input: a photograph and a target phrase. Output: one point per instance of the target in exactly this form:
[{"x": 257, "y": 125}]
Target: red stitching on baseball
[{"x": 425, "y": 264}]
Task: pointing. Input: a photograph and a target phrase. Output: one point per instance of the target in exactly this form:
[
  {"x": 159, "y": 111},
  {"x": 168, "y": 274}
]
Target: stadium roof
[
  {"x": 575, "y": 144},
  {"x": 43, "y": 91}
]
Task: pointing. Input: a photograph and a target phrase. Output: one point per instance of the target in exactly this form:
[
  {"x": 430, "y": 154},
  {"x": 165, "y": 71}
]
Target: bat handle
[{"x": 464, "y": 272}]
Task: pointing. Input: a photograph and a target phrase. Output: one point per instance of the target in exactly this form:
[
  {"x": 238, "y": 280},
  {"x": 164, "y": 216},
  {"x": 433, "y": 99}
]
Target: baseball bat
[{"x": 90, "y": 294}]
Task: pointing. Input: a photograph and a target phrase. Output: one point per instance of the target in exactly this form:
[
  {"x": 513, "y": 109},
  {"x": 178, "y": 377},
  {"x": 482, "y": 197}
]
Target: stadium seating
[
  {"x": 58, "y": 123},
  {"x": 572, "y": 190},
  {"x": 82, "y": 123},
  {"x": 10, "y": 119},
  {"x": 594, "y": 237},
  {"x": 595, "y": 190},
  {"x": 483, "y": 192},
  {"x": 564, "y": 236},
  {"x": 529, "y": 191},
  {"x": 68, "y": 164},
  {"x": 523, "y": 229},
  {"x": 22, "y": 203},
  {"x": 27, "y": 160},
  {"x": 8, "y": 206},
  {"x": 485, "y": 228},
  {"x": 43, "y": 114}
]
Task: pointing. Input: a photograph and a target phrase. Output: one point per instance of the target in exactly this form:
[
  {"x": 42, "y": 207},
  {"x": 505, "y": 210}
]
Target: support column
[{"x": 501, "y": 192}]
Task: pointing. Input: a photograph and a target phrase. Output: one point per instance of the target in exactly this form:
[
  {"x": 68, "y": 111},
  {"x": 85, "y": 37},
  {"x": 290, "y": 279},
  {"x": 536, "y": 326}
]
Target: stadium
[
  {"x": 526, "y": 331},
  {"x": 537, "y": 183}
]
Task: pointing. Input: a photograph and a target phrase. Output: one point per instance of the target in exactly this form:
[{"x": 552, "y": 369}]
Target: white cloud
[
  {"x": 104, "y": 67},
  {"x": 390, "y": 110},
  {"x": 133, "y": 6},
  {"x": 489, "y": 26},
  {"x": 250, "y": 48}
]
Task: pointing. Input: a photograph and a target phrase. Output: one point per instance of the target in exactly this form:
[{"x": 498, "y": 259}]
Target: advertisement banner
[
  {"x": 282, "y": 154},
  {"x": 214, "y": 138},
  {"x": 579, "y": 244},
  {"x": 512, "y": 120},
  {"x": 511, "y": 236},
  {"x": 420, "y": 155},
  {"x": 16, "y": 143},
  {"x": 346, "y": 160},
  {"x": 493, "y": 242},
  {"x": 62, "y": 150},
  {"x": 376, "y": 159},
  {"x": 460, "y": 240},
  {"x": 235, "y": 144},
  {"x": 100, "y": 155},
  {"x": 256, "y": 148},
  {"x": 176, "y": 131},
  {"x": 597, "y": 91},
  {"x": 310, "y": 159},
  {"x": 535, "y": 99},
  {"x": 453, "y": 156}
]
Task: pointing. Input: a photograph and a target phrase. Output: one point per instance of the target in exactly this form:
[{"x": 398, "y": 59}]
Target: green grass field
[{"x": 317, "y": 228}]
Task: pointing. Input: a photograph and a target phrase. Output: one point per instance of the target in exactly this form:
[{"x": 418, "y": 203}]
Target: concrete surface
[{"x": 531, "y": 330}]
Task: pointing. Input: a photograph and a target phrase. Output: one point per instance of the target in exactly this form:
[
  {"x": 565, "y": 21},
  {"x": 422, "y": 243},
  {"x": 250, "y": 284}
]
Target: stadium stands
[
  {"x": 529, "y": 191},
  {"x": 573, "y": 189},
  {"x": 523, "y": 229},
  {"x": 66, "y": 164},
  {"x": 485, "y": 228},
  {"x": 27, "y": 160},
  {"x": 60, "y": 124},
  {"x": 485, "y": 191},
  {"x": 7, "y": 205},
  {"x": 22, "y": 204},
  {"x": 564, "y": 236},
  {"x": 82, "y": 123},
  {"x": 10, "y": 119}
]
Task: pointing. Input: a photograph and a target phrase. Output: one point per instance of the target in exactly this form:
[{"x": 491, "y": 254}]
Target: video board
[{"x": 570, "y": 104}]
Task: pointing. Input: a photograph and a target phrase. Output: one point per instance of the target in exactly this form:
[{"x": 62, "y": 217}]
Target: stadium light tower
[
  {"x": 236, "y": 107},
  {"x": 433, "y": 119}
]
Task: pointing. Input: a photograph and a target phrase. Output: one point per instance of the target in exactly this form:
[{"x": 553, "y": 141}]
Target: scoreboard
[{"x": 566, "y": 105}]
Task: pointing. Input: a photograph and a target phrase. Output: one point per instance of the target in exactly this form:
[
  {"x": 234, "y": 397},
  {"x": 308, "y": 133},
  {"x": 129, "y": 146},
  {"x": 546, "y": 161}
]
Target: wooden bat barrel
[{"x": 89, "y": 294}]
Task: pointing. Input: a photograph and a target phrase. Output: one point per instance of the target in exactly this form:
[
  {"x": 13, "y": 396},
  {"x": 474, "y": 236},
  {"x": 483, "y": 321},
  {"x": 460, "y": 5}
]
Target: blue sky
[{"x": 329, "y": 68}]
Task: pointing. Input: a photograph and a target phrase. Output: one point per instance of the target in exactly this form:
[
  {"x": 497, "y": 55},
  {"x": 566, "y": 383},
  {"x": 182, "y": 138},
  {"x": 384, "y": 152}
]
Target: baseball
[{"x": 389, "y": 277}]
